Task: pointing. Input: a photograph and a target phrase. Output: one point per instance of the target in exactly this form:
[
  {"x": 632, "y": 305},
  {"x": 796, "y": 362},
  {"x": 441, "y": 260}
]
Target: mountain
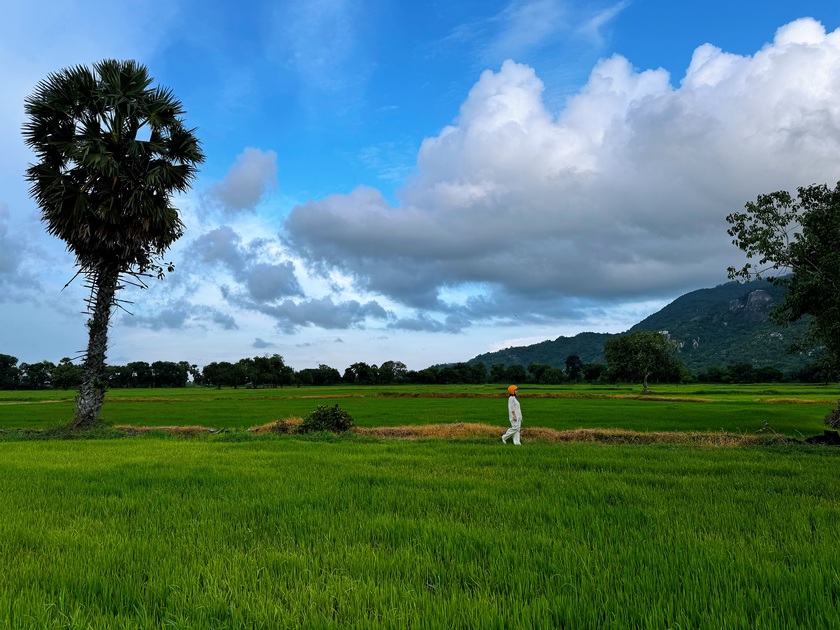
[{"x": 719, "y": 326}]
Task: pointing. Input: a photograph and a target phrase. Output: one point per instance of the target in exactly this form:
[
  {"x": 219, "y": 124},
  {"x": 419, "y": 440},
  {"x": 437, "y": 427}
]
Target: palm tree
[{"x": 111, "y": 153}]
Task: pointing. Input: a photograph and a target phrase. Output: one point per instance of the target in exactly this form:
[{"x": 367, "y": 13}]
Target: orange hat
[{"x": 512, "y": 389}]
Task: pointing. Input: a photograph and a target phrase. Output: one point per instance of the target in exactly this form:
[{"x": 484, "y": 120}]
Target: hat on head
[{"x": 512, "y": 389}]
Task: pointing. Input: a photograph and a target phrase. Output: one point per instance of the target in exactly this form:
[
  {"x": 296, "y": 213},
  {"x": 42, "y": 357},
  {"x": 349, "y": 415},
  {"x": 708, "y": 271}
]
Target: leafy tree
[
  {"x": 36, "y": 375},
  {"x": 112, "y": 151},
  {"x": 478, "y": 373},
  {"x": 66, "y": 375},
  {"x": 392, "y": 372},
  {"x": 574, "y": 367},
  {"x": 428, "y": 376},
  {"x": 797, "y": 244},
  {"x": 214, "y": 373},
  {"x": 593, "y": 372},
  {"x": 741, "y": 372},
  {"x": 640, "y": 356},
  {"x": 361, "y": 374},
  {"x": 497, "y": 373},
  {"x": 9, "y": 372},
  {"x": 553, "y": 376},
  {"x": 140, "y": 374},
  {"x": 169, "y": 374},
  {"x": 538, "y": 370},
  {"x": 516, "y": 374}
]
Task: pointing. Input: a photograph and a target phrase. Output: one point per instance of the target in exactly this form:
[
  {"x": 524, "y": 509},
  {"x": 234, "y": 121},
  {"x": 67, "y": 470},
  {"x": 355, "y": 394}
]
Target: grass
[
  {"x": 791, "y": 409},
  {"x": 286, "y": 532},
  {"x": 643, "y": 524}
]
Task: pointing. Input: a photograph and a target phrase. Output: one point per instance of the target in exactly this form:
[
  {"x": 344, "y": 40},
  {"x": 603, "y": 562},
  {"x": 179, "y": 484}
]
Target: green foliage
[
  {"x": 334, "y": 419},
  {"x": 717, "y": 326},
  {"x": 9, "y": 372},
  {"x": 111, "y": 152},
  {"x": 641, "y": 356},
  {"x": 800, "y": 237}
]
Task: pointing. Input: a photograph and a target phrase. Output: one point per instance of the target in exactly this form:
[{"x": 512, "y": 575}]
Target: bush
[{"x": 333, "y": 419}]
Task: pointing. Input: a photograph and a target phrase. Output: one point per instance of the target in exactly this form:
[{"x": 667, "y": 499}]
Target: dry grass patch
[
  {"x": 612, "y": 436},
  {"x": 284, "y": 426},
  {"x": 454, "y": 430}
]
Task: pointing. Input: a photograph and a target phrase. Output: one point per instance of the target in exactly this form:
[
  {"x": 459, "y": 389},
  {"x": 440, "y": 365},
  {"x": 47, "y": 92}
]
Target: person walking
[{"x": 514, "y": 415}]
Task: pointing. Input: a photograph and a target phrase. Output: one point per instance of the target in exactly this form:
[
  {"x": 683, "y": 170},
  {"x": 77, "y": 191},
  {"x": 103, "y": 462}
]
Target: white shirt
[{"x": 514, "y": 410}]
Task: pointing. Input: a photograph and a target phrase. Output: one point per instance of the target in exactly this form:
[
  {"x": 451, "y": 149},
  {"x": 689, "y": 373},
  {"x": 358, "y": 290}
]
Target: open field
[
  {"x": 355, "y": 532},
  {"x": 791, "y": 409},
  {"x": 235, "y": 530}
]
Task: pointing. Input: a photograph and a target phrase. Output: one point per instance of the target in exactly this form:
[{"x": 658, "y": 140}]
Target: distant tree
[
  {"x": 593, "y": 372},
  {"x": 714, "y": 374},
  {"x": 498, "y": 373},
  {"x": 537, "y": 370},
  {"x": 361, "y": 374},
  {"x": 214, "y": 374},
  {"x": 797, "y": 244},
  {"x": 305, "y": 377},
  {"x": 36, "y": 375},
  {"x": 428, "y": 376},
  {"x": 169, "y": 374},
  {"x": 478, "y": 373},
  {"x": 768, "y": 374},
  {"x": 391, "y": 372},
  {"x": 9, "y": 372},
  {"x": 140, "y": 374},
  {"x": 111, "y": 151},
  {"x": 447, "y": 375},
  {"x": 192, "y": 370},
  {"x": 119, "y": 376},
  {"x": 553, "y": 376},
  {"x": 516, "y": 374},
  {"x": 641, "y": 355},
  {"x": 741, "y": 372},
  {"x": 574, "y": 368},
  {"x": 66, "y": 375}
]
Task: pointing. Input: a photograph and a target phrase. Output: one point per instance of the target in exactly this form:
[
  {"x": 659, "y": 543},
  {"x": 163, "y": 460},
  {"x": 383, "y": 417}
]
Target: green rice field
[
  {"x": 790, "y": 409},
  {"x": 232, "y": 530}
]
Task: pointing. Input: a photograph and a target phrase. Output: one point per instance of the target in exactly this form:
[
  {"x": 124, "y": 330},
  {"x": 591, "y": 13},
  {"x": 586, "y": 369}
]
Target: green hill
[{"x": 719, "y": 326}]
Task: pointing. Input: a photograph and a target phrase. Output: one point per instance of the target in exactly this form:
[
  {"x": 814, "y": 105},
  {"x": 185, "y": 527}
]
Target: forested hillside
[{"x": 714, "y": 327}]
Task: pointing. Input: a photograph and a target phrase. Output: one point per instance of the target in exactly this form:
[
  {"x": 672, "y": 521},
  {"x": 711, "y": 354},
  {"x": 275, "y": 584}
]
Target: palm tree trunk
[{"x": 94, "y": 381}]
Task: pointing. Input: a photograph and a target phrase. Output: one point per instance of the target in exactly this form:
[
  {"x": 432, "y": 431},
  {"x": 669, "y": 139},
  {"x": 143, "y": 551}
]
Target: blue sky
[{"x": 427, "y": 181}]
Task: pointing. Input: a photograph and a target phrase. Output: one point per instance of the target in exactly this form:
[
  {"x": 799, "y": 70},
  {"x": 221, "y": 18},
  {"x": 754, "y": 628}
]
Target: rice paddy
[{"x": 632, "y": 527}]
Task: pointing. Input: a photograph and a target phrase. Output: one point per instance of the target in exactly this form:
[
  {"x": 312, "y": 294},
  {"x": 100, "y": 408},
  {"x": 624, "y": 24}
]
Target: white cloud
[
  {"x": 249, "y": 180},
  {"x": 622, "y": 194},
  {"x": 525, "y": 25}
]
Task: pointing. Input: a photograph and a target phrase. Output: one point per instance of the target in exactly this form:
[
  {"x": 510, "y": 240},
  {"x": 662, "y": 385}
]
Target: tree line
[{"x": 625, "y": 364}]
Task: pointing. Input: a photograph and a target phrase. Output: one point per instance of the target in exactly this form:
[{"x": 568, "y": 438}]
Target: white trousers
[{"x": 514, "y": 431}]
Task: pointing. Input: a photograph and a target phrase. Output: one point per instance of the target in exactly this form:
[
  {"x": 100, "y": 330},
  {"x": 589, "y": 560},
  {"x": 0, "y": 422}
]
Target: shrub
[{"x": 333, "y": 419}]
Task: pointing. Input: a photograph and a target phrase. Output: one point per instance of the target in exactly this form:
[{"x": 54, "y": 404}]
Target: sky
[{"x": 426, "y": 181}]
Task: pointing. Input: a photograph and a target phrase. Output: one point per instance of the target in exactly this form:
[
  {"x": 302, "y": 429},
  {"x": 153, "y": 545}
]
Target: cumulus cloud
[
  {"x": 261, "y": 344},
  {"x": 10, "y": 249},
  {"x": 14, "y": 268},
  {"x": 249, "y": 180},
  {"x": 319, "y": 312},
  {"x": 621, "y": 194},
  {"x": 263, "y": 281},
  {"x": 266, "y": 283},
  {"x": 179, "y": 314}
]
